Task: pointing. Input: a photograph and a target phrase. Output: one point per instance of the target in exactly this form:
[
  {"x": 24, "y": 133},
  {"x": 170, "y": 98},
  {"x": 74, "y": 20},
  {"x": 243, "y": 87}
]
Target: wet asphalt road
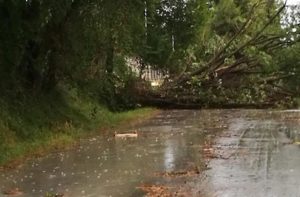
[
  {"x": 262, "y": 157},
  {"x": 238, "y": 153}
]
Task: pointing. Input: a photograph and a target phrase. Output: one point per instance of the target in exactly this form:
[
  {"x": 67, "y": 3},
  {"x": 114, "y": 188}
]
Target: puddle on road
[{"x": 170, "y": 154}]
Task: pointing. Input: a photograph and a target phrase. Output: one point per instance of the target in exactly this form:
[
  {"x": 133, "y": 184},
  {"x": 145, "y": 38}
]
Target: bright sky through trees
[{"x": 293, "y": 2}]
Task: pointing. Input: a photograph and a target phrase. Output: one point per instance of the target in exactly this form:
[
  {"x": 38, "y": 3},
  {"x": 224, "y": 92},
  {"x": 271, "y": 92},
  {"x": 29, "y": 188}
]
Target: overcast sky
[{"x": 293, "y": 2}]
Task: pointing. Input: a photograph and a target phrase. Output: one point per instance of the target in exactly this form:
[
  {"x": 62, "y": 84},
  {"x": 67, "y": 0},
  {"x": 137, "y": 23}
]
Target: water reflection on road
[{"x": 251, "y": 157}]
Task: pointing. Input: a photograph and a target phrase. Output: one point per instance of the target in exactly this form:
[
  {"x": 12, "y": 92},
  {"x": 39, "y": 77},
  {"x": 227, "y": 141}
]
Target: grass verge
[{"x": 33, "y": 126}]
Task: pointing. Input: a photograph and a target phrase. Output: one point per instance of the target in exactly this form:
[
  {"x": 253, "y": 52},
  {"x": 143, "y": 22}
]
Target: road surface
[{"x": 177, "y": 153}]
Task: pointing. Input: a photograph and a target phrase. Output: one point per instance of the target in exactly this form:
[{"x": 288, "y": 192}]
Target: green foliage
[
  {"x": 172, "y": 27},
  {"x": 53, "y": 120},
  {"x": 227, "y": 16},
  {"x": 246, "y": 53}
]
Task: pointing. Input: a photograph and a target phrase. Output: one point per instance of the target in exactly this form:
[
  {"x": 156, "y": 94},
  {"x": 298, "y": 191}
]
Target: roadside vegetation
[
  {"x": 56, "y": 121},
  {"x": 63, "y": 70}
]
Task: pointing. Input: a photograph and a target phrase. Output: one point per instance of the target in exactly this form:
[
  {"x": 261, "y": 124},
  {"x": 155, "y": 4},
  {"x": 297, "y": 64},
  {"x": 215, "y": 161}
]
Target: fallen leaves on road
[
  {"x": 167, "y": 191},
  {"x": 13, "y": 192},
  {"x": 210, "y": 153},
  {"x": 156, "y": 190},
  {"x": 54, "y": 195},
  {"x": 180, "y": 173}
]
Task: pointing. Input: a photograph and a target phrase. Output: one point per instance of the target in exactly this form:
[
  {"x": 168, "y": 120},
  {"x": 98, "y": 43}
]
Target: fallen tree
[{"x": 242, "y": 73}]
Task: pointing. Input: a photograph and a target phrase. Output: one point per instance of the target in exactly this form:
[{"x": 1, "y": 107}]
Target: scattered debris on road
[
  {"x": 13, "y": 192},
  {"x": 156, "y": 190},
  {"x": 125, "y": 135}
]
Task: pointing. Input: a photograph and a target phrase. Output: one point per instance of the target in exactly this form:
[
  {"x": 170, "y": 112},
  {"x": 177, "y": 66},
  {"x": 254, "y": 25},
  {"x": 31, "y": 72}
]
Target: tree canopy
[{"x": 231, "y": 51}]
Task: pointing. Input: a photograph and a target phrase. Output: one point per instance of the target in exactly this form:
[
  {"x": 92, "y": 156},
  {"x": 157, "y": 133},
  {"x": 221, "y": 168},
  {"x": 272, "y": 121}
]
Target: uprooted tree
[{"x": 247, "y": 55}]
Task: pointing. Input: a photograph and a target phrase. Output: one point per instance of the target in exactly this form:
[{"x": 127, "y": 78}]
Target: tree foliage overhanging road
[
  {"x": 215, "y": 52},
  {"x": 247, "y": 57}
]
